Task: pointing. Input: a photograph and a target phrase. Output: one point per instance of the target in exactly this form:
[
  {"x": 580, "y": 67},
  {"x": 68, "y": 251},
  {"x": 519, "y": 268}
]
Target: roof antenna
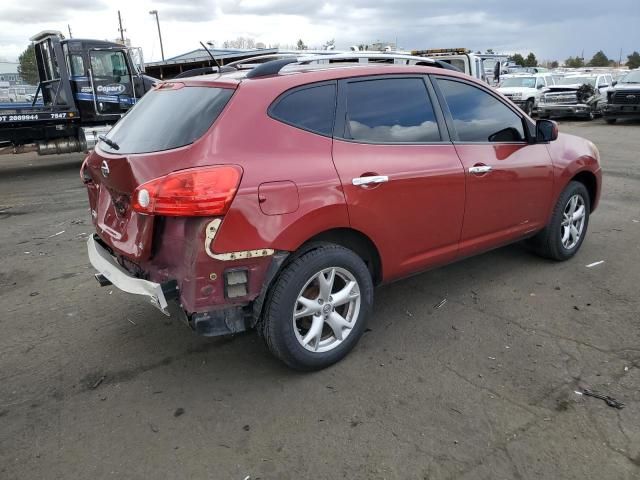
[{"x": 211, "y": 55}]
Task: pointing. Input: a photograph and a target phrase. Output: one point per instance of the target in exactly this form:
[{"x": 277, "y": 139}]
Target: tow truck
[{"x": 85, "y": 86}]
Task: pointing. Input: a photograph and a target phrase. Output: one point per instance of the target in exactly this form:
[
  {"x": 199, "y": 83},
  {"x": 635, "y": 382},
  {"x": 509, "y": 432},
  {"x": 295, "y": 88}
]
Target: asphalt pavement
[{"x": 96, "y": 384}]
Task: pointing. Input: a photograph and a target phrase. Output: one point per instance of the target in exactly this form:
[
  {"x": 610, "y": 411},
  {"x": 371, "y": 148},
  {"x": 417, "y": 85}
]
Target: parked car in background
[
  {"x": 576, "y": 95},
  {"x": 278, "y": 201},
  {"x": 525, "y": 90},
  {"x": 623, "y": 99}
]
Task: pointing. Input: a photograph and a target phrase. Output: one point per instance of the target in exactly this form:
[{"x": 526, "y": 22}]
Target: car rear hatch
[{"x": 163, "y": 133}]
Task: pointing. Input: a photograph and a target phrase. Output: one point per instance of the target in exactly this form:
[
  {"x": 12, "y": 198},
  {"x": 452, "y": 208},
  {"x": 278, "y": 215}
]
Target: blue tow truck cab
[{"x": 85, "y": 86}]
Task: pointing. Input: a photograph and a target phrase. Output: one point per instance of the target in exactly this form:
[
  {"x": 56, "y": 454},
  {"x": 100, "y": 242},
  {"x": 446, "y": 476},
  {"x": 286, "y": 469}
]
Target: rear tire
[
  {"x": 562, "y": 237},
  {"x": 318, "y": 308}
]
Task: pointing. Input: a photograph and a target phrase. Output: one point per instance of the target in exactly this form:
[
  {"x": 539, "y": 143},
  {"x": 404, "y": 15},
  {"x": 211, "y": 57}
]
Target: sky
[{"x": 552, "y": 29}]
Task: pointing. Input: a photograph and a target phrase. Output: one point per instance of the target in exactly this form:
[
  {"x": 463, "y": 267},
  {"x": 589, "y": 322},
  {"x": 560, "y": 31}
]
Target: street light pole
[{"x": 155, "y": 12}]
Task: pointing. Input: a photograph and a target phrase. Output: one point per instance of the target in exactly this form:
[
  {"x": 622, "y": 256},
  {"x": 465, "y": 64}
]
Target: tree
[
  {"x": 576, "y": 62},
  {"x": 633, "y": 60},
  {"x": 27, "y": 68},
  {"x": 489, "y": 50},
  {"x": 599, "y": 60},
  {"x": 531, "y": 60},
  {"x": 517, "y": 59},
  {"x": 300, "y": 45},
  {"x": 554, "y": 64},
  {"x": 329, "y": 45}
]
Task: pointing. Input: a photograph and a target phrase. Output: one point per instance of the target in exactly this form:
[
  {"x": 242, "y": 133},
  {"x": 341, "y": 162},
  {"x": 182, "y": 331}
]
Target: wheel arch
[
  {"x": 349, "y": 238},
  {"x": 588, "y": 179}
]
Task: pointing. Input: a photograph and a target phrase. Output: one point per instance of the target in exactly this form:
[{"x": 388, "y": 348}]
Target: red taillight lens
[{"x": 205, "y": 191}]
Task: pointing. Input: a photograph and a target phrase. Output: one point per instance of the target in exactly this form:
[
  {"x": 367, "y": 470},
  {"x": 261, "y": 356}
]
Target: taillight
[{"x": 205, "y": 191}]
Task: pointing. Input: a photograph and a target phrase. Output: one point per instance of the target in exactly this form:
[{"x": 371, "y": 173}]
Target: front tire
[
  {"x": 528, "y": 107},
  {"x": 562, "y": 237},
  {"x": 318, "y": 308}
]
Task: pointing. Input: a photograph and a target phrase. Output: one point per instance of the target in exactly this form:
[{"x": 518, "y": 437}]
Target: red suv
[{"x": 278, "y": 199}]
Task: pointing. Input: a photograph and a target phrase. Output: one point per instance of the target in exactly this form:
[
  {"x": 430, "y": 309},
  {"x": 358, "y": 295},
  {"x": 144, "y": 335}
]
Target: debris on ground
[
  {"x": 595, "y": 264},
  {"x": 56, "y": 234},
  {"x": 131, "y": 321},
  {"x": 408, "y": 313},
  {"x": 441, "y": 304},
  {"x": 246, "y": 428},
  {"x": 612, "y": 402},
  {"x": 97, "y": 383},
  {"x": 33, "y": 294},
  {"x": 179, "y": 411},
  {"x": 153, "y": 428}
]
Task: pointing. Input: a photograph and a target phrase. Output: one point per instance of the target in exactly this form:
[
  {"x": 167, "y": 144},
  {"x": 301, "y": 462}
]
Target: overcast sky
[{"x": 552, "y": 29}]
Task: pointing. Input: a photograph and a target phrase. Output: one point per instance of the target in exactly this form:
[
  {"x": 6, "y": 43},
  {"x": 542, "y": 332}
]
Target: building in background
[
  {"x": 13, "y": 88},
  {"x": 199, "y": 58}
]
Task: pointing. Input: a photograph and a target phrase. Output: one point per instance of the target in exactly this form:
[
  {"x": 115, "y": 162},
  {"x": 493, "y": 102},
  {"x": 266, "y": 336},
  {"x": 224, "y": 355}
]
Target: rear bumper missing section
[{"x": 109, "y": 269}]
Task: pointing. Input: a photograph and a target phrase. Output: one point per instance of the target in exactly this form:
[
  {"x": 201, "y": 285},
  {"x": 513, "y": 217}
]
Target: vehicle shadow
[{"x": 251, "y": 359}]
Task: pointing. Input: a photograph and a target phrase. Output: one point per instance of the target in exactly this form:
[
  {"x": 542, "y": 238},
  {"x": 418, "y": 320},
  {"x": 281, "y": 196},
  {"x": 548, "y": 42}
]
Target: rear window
[{"x": 167, "y": 118}]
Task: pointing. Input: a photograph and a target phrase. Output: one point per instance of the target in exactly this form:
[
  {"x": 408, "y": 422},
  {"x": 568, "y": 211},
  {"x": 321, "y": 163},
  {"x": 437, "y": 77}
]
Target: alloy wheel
[
  {"x": 573, "y": 218},
  {"x": 327, "y": 309}
]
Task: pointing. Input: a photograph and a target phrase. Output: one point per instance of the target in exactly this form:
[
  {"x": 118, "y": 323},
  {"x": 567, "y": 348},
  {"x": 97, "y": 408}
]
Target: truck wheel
[
  {"x": 610, "y": 121},
  {"x": 565, "y": 232},
  {"x": 318, "y": 308},
  {"x": 528, "y": 107}
]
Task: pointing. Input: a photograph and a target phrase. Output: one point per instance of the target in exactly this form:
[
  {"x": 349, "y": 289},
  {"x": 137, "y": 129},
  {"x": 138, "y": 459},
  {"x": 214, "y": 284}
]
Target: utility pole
[
  {"x": 155, "y": 12},
  {"x": 69, "y": 28},
  {"x": 122, "y": 30}
]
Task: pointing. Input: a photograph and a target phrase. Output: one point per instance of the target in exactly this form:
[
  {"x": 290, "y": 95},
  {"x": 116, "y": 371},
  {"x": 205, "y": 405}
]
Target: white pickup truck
[{"x": 525, "y": 90}]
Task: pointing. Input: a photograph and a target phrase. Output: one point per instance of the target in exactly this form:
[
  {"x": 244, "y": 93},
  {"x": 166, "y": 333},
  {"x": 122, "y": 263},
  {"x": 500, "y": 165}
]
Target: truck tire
[
  {"x": 565, "y": 232},
  {"x": 318, "y": 308},
  {"x": 610, "y": 121},
  {"x": 528, "y": 107}
]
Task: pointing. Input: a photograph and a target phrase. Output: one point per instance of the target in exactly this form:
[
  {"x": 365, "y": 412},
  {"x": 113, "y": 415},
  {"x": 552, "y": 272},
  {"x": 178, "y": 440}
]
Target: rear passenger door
[
  {"x": 509, "y": 180},
  {"x": 402, "y": 180}
]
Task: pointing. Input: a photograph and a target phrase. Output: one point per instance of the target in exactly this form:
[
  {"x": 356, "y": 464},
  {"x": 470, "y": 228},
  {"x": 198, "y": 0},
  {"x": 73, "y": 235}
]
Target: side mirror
[
  {"x": 540, "y": 87},
  {"x": 546, "y": 131},
  {"x": 604, "y": 85},
  {"x": 614, "y": 83}
]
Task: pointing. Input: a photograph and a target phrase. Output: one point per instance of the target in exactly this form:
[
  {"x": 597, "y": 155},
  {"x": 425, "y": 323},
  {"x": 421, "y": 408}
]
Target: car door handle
[
  {"x": 361, "y": 181},
  {"x": 480, "y": 169}
]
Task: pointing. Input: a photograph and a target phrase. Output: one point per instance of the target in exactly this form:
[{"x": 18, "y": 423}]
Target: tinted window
[
  {"x": 310, "y": 109},
  {"x": 393, "y": 110},
  {"x": 478, "y": 116},
  {"x": 168, "y": 118},
  {"x": 77, "y": 65}
]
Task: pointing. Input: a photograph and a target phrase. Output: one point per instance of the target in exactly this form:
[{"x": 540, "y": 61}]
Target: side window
[
  {"x": 480, "y": 117},
  {"x": 392, "y": 110},
  {"x": 311, "y": 109},
  {"x": 77, "y": 65}
]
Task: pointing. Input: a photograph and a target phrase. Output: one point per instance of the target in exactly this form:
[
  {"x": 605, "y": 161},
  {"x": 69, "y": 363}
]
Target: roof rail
[{"x": 275, "y": 66}]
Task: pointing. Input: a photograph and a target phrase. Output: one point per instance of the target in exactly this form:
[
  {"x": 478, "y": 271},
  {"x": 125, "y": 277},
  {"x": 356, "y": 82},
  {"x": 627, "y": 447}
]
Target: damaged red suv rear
[{"x": 279, "y": 199}]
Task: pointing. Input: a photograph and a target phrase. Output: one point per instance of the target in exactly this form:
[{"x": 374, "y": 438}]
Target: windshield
[
  {"x": 578, "y": 81},
  {"x": 526, "y": 82},
  {"x": 167, "y": 118},
  {"x": 633, "y": 77}
]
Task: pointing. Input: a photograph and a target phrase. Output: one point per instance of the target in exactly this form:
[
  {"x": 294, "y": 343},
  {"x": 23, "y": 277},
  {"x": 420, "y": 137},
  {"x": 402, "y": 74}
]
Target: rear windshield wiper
[{"x": 111, "y": 143}]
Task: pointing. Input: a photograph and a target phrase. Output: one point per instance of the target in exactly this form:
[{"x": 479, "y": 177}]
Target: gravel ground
[{"x": 95, "y": 384}]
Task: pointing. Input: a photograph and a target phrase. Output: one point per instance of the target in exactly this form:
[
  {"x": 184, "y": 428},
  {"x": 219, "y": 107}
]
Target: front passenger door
[{"x": 509, "y": 181}]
